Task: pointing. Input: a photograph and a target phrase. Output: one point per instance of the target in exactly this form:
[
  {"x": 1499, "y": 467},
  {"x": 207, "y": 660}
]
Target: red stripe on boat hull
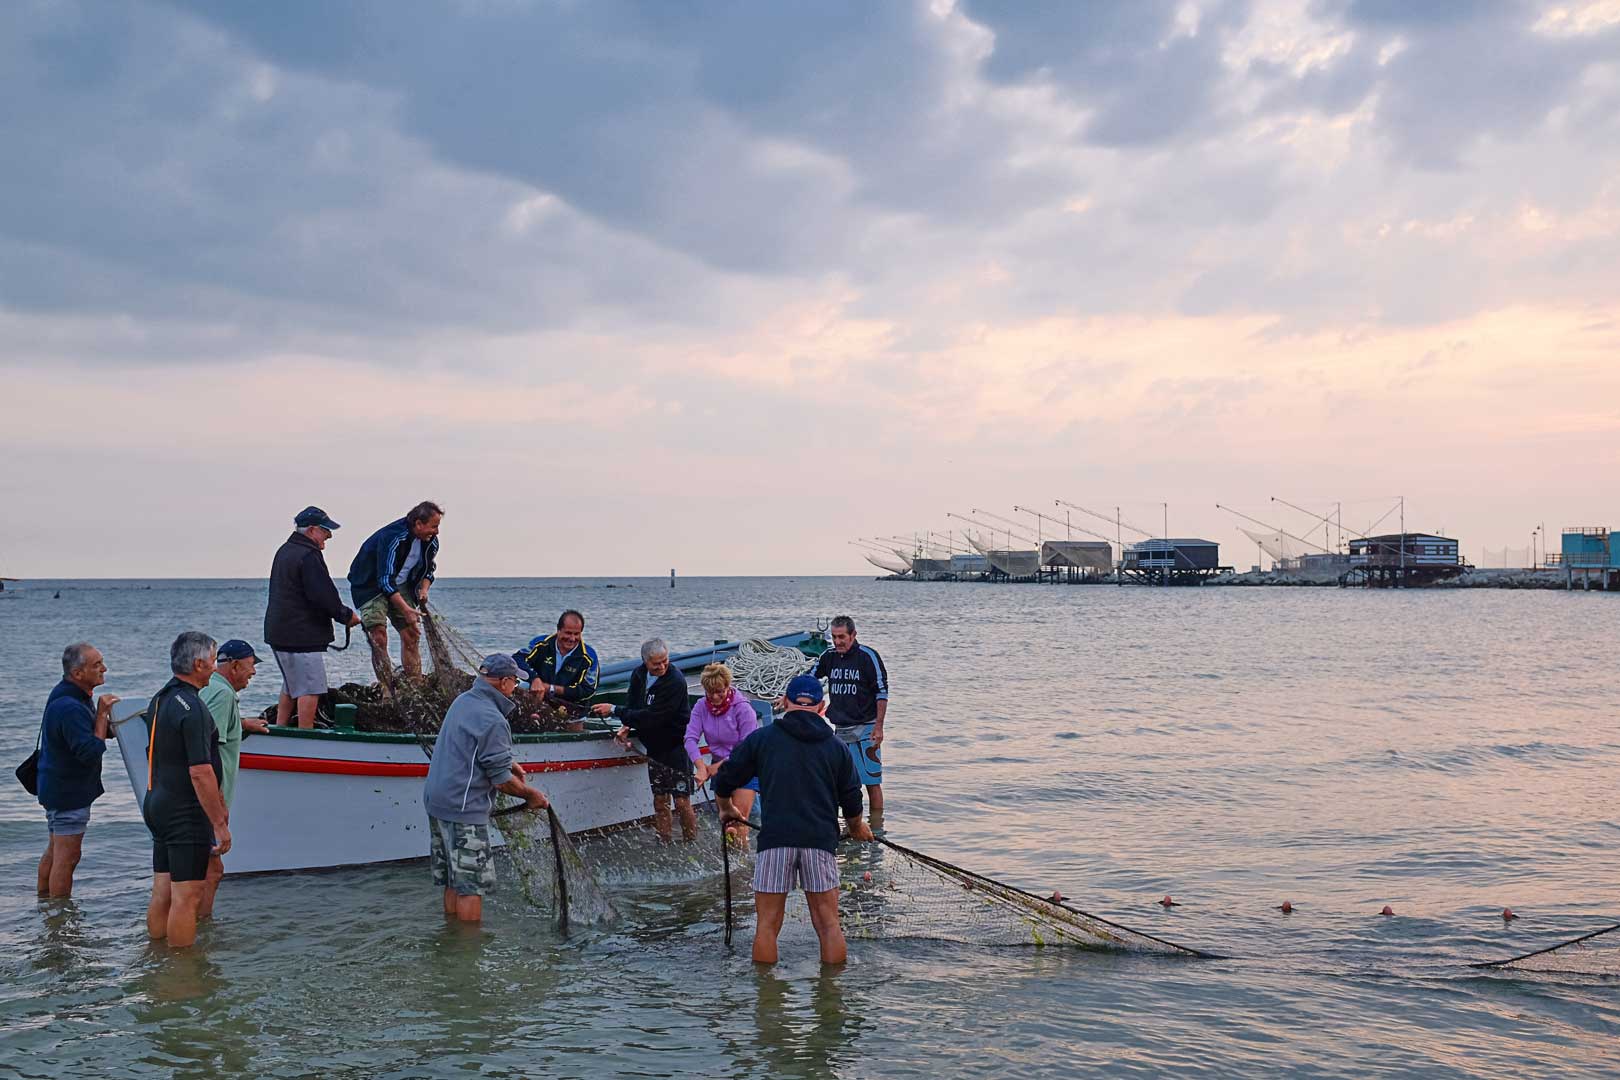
[{"x": 279, "y": 763}]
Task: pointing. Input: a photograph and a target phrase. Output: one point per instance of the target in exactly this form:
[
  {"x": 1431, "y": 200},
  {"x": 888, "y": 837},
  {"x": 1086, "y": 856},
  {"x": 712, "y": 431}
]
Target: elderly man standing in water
[
  {"x": 183, "y": 807},
  {"x": 236, "y": 665},
  {"x": 473, "y": 758},
  {"x": 655, "y": 711},
  {"x": 72, "y": 739}
]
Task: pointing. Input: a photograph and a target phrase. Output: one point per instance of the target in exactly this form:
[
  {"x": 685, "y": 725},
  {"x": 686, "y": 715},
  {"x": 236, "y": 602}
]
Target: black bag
[{"x": 28, "y": 771}]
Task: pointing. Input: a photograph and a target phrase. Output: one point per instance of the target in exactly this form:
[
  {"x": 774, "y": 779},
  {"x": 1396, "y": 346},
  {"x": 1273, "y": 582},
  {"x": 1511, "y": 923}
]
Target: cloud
[{"x": 1003, "y": 236}]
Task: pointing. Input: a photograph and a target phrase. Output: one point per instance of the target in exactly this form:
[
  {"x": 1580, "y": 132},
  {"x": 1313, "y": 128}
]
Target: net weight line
[
  {"x": 1554, "y": 958},
  {"x": 1025, "y": 918}
]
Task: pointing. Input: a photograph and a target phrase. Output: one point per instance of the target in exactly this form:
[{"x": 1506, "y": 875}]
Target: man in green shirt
[{"x": 237, "y": 664}]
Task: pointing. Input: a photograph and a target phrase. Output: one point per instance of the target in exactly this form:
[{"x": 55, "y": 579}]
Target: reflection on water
[{"x": 1448, "y": 754}]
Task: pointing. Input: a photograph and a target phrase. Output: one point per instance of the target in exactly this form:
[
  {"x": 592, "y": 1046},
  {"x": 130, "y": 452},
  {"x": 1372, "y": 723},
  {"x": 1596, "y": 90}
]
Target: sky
[{"x": 721, "y": 286}]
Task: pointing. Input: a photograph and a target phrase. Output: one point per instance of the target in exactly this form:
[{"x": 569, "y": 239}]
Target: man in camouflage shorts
[{"x": 472, "y": 760}]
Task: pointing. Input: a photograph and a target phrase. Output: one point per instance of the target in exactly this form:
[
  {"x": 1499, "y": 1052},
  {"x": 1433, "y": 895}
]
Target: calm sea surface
[{"x": 1448, "y": 753}]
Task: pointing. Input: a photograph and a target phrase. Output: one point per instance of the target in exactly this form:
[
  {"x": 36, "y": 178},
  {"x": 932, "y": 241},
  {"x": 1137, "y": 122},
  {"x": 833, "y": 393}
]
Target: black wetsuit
[{"x": 183, "y": 734}]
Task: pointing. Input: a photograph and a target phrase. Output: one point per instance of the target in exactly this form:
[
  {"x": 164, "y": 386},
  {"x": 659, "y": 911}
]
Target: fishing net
[
  {"x": 1597, "y": 953},
  {"x": 551, "y": 875},
  {"x": 889, "y": 892},
  {"x": 764, "y": 670}
]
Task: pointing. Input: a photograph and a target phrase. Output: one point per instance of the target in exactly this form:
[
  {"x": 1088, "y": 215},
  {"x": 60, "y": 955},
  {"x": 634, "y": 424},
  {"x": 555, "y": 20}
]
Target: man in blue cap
[
  {"x": 805, "y": 777},
  {"x": 236, "y": 668},
  {"x": 473, "y": 758},
  {"x": 298, "y": 619}
]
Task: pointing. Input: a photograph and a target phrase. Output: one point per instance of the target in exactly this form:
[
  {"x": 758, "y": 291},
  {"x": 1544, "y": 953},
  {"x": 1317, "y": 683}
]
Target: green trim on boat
[{"x": 335, "y": 735}]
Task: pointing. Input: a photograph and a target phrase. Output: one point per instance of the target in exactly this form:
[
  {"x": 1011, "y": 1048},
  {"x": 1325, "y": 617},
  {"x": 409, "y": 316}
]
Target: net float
[
  {"x": 1387, "y": 910},
  {"x": 1286, "y": 907},
  {"x": 1167, "y": 902},
  {"x": 1507, "y": 915}
]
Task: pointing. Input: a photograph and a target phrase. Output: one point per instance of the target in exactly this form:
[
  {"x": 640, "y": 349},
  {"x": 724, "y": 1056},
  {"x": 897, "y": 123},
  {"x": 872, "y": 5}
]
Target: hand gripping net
[
  {"x": 551, "y": 874},
  {"x": 1597, "y": 953},
  {"x": 889, "y": 892}
]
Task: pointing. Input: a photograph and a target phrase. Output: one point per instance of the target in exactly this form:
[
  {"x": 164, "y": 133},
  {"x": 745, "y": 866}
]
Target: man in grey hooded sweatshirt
[{"x": 472, "y": 760}]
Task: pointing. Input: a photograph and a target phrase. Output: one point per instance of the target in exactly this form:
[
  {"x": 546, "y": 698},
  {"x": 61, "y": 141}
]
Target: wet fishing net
[
  {"x": 889, "y": 892},
  {"x": 551, "y": 875},
  {"x": 1597, "y": 953}
]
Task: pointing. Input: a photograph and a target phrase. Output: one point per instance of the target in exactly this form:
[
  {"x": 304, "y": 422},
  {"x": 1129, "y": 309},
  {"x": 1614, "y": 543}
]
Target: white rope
[{"x": 763, "y": 670}]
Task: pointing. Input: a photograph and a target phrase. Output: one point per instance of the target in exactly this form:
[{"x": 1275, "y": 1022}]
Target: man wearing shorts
[
  {"x": 473, "y": 758},
  {"x": 858, "y": 692},
  {"x": 655, "y": 711},
  {"x": 183, "y": 806},
  {"x": 806, "y": 777},
  {"x": 72, "y": 739},
  {"x": 235, "y": 665},
  {"x": 299, "y": 616},
  {"x": 389, "y": 581}
]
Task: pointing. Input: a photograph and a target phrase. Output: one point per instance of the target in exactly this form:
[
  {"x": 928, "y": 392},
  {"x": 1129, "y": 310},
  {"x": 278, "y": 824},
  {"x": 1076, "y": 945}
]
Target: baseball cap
[
  {"x": 499, "y": 666},
  {"x": 236, "y": 649},
  {"x": 804, "y": 690},
  {"x": 314, "y": 515}
]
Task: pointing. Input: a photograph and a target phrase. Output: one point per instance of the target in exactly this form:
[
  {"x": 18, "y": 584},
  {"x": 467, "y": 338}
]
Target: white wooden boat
[{"x": 308, "y": 799}]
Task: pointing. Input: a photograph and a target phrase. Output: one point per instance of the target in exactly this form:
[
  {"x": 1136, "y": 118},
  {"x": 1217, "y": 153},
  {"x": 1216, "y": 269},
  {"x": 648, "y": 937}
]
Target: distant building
[
  {"x": 1404, "y": 559},
  {"x": 1076, "y": 560},
  {"x": 1590, "y": 556},
  {"x": 1184, "y": 561}
]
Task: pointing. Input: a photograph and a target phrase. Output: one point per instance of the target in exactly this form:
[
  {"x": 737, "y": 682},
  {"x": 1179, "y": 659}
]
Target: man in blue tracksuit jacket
[
  {"x": 390, "y": 576},
  {"x": 805, "y": 777}
]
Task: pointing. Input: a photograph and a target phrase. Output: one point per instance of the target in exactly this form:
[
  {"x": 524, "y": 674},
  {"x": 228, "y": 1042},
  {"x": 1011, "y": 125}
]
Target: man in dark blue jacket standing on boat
[
  {"x": 72, "y": 739},
  {"x": 805, "y": 777},
  {"x": 389, "y": 580},
  {"x": 473, "y": 758},
  {"x": 303, "y": 605}
]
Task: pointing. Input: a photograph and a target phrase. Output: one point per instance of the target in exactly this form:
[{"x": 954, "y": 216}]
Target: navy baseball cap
[
  {"x": 314, "y": 515},
  {"x": 804, "y": 690},
  {"x": 500, "y": 666},
  {"x": 236, "y": 649}
]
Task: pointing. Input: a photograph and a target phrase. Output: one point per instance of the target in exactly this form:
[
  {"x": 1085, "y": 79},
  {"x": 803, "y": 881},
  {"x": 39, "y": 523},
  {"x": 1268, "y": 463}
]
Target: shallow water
[{"x": 1448, "y": 753}]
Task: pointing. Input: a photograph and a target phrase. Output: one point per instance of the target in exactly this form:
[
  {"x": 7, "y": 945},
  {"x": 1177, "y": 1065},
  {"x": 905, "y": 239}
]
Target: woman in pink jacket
[{"x": 722, "y": 719}]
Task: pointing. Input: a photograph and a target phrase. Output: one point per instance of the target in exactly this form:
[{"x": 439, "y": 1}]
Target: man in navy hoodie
[
  {"x": 72, "y": 738},
  {"x": 805, "y": 777}
]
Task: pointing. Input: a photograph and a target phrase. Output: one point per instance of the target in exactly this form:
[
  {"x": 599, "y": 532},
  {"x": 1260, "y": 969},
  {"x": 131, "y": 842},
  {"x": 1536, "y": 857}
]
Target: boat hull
[{"x": 311, "y": 799}]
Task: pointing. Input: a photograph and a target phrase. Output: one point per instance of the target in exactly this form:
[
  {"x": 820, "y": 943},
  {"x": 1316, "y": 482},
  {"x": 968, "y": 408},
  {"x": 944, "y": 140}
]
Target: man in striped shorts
[{"x": 806, "y": 777}]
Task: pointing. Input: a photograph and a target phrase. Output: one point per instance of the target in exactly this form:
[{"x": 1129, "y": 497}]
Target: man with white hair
[
  {"x": 655, "y": 711},
  {"x": 183, "y": 807}
]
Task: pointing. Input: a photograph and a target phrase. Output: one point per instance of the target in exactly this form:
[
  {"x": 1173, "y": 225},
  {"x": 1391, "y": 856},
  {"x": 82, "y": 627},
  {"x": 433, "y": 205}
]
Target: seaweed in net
[
  {"x": 1596, "y": 953},
  {"x": 890, "y": 892},
  {"x": 551, "y": 874}
]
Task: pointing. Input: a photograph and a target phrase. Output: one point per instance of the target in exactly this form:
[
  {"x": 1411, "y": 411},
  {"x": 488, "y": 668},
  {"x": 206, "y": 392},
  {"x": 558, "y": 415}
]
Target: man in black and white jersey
[{"x": 857, "y": 700}]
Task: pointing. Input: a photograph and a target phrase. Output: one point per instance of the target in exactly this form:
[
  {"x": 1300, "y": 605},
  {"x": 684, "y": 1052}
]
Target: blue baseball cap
[
  {"x": 236, "y": 649},
  {"x": 500, "y": 666},
  {"x": 804, "y": 690},
  {"x": 314, "y": 515}
]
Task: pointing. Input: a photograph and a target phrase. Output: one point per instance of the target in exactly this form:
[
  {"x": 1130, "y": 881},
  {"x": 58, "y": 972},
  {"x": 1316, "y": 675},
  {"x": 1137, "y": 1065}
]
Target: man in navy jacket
[
  {"x": 805, "y": 777},
  {"x": 73, "y": 737},
  {"x": 388, "y": 581}
]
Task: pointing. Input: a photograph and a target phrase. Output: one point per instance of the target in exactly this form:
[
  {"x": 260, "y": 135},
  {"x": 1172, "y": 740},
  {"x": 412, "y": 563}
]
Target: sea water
[{"x": 1449, "y": 753}]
